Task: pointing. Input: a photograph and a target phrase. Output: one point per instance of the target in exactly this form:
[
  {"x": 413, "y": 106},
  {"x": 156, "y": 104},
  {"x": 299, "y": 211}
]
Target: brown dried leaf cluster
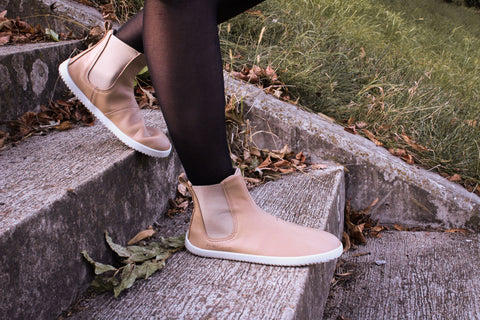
[
  {"x": 94, "y": 35},
  {"x": 108, "y": 11},
  {"x": 181, "y": 202},
  {"x": 261, "y": 165},
  {"x": 14, "y": 31},
  {"x": 145, "y": 97},
  {"x": 265, "y": 78},
  {"x": 59, "y": 115},
  {"x": 258, "y": 165},
  {"x": 105, "y": 7},
  {"x": 359, "y": 225},
  {"x": 404, "y": 154},
  {"x": 138, "y": 262}
]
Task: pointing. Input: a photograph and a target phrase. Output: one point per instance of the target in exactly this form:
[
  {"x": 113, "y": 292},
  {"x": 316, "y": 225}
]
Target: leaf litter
[
  {"x": 358, "y": 227},
  {"x": 59, "y": 115},
  {"x": 266, "y": 78},
  {"x": 258, "y": 165},
  {"x": 136, "y": 261},
  {"x": 16, "y": 31}
]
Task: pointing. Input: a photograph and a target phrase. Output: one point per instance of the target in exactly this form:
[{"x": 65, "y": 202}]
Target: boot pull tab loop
[{"x": 107, "y": 25}]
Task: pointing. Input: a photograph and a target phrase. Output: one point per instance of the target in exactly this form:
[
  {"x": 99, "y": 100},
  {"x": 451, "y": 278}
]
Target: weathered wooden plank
[
  {"x": 427, "y": 275},
  {"x": 192, "y": 287}
]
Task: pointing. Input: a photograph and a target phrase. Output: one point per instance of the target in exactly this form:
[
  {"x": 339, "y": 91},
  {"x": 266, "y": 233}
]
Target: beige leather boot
[
  {"x": 227, "y": 224},
  {"x": 102, "y": 78}
]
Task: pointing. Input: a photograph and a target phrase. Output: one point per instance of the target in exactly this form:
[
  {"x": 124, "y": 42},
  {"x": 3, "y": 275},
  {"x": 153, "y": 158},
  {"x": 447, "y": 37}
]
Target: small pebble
[
  {"x": 469, "y": 240},
  {"x": 380, "y": 262}
]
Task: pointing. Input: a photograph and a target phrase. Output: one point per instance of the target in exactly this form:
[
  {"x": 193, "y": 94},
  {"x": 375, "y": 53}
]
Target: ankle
[{"x": 205, "y": 178}]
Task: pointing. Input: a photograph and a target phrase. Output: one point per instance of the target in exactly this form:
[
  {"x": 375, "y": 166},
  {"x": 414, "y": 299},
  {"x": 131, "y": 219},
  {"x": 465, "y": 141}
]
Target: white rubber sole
[
  {"x": 63, "y": 69},
  {"x": 275, "y": 261}
]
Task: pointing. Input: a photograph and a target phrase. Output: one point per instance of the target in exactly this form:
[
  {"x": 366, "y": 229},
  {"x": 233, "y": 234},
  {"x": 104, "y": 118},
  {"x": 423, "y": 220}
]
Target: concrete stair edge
[
  {"x": 192, "y": 287},
  {"x": 58, "y": 15},
  {"x": 30, "y": 76},
  {"x": 30, "y": 71},
  {"x": 407, "y": 194},
  {"x": 58, "y": 199}
]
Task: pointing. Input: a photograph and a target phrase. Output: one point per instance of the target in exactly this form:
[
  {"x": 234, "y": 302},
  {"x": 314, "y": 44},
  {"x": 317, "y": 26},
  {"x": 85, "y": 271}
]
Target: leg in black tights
[
  {"x": 131, "y": 31},
  {"x": 181, "y": 45}
]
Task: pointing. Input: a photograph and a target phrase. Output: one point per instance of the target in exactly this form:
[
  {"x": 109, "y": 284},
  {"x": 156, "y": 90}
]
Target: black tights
[{"x": 181, "y": 45}]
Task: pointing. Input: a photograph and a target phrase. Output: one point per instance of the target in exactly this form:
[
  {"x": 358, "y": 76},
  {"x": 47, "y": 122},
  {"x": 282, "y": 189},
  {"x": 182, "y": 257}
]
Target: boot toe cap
[{"x": 155, "y": 139}]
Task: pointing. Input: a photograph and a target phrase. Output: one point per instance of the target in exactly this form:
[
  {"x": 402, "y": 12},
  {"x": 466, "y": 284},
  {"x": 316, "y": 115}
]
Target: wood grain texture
[
  {"x": 192, "y": 287},
  {"x": 427, "y": 275}
]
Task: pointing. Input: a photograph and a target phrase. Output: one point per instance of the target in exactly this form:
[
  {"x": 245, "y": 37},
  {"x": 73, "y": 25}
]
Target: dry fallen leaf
[
  {"x": 287, "y": 170},
  {"x": 412, "y": 143},
  {"x": 457, "y": 230},
  {"x": 271, "y": 74},
  {"x": 4, "y": 40},
  {"x": 397, "y": 152},
  {"x": 362, "y": 54},
  {"x": 60, "y": 115},
  {"x": 239, "y": 75},
  {"x": 372, "y": 137},
  {"x": 65, "y": 125},
  {"x": 370, "y": 206},
  {"x": 346, "y": 242},
  {"x": 361, "y": 125},
  {"x": 267, "y": 162},
  {"x": 318, "y": 166},
  {"x": 471, "y": 123},
  {"x": 282, "y": 163},
  {"x": 182, "y": 190},
  {"x": 300, "y": 156},
  {"x": 408, "y": 158},
  {"x": 357, "y": 233},
  {"x": 455, "y": 178},
  {"x": 350, "y": 129},
  {"x": 142, "y": 235}
]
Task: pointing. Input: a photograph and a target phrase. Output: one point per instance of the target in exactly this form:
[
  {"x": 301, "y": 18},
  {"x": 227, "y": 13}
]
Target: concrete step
[
  {"x": 407, "y": 194},
  {"x": 29, "y": 74},
  {"x": 58, "y": 194},
  {"x": 59, "y": 15},
  {"x": 192, "y": 287},
  {"x": 426, "y": 275}
]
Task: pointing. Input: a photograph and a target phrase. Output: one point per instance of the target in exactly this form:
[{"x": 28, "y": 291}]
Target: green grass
[
  {"x": 401, "y": 66},
  {"x": 418, "y": 76}
]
